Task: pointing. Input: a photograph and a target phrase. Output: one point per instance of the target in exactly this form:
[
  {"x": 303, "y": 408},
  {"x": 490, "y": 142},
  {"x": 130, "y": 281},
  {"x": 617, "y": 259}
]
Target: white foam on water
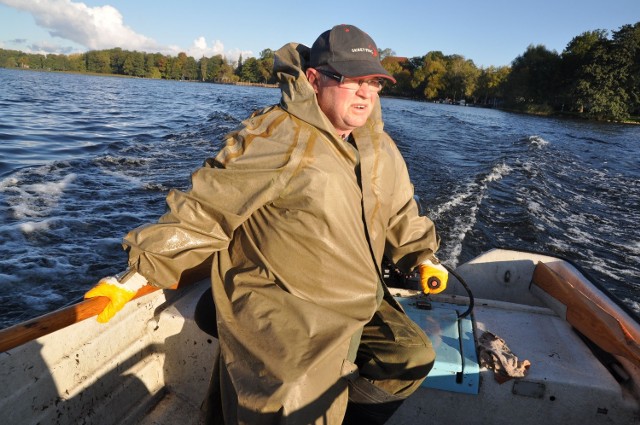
[
  {"x": 530, "y": 167},
  {"x": 625, "y": 271},
  {"x": 474, "y": 189},
  {"x": 462, "y": 227},
  {"x": 498, "y": 172},
  {"x": 136, "y": 181},
  {"x": 602, "y": 267},
  {"x": 156, "y": 187},
  {"x": 536, "y": 202},
  {"x": 579, "y": 235},
  {"x": 635, "y": 306},
  {"x": 633, "y": 247},
  {"x": 36, "y": 199},
  {"x": 8, "y": 182},
  {"x": 473, "y": 195},
  {"x": 456, "y": 201},
  {"x": 561, "y": 244},
  {"x": 51, "y": 188},
  {"x": 537, "y": 141},
  {"x": 534, "y": 207},
  {"x": 35, "y": 226}
]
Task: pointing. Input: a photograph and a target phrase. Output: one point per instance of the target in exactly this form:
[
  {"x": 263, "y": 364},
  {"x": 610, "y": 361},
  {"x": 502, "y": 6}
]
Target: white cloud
[
  {"x": 93, "y": 27},
  {"x": 200, "y": 43},
  {"x": 200, "y": 48},
  {"x": 103, "y": 27},
  {"x": 234, "y": 54}
]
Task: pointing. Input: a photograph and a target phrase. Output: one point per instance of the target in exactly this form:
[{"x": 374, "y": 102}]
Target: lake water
[{"x": 84, "y": 159}]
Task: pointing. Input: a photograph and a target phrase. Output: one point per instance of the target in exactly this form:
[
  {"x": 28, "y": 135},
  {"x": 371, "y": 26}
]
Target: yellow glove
[
  {"x": 433, "y": 277},
  {"x": 119, "y": 293}
]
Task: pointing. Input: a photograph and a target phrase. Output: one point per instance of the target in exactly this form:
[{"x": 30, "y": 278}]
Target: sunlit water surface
[{"x": 84, "y": 159}]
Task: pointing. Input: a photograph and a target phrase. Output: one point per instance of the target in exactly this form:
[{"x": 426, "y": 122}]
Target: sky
[{"x": 489, "y": 32}]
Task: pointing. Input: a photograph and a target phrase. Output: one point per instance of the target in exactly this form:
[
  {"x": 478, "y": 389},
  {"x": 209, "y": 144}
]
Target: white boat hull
[
  {"x": 113, "y": 374},
  {"x": 151, "y": 364}
]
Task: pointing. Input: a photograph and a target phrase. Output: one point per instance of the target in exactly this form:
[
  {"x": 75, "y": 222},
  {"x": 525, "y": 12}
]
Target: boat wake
[
  {"x": 537, "y": 141},
  {"x": 468, "y": 200},
  {"x": 35, "y": 192}
]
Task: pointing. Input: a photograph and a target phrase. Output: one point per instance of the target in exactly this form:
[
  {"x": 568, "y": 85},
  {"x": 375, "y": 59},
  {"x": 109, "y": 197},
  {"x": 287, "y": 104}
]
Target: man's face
[{"x": 346, "y": 109}]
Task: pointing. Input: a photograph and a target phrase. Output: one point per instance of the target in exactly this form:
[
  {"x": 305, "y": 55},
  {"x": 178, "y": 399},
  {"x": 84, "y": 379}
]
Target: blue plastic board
[{"x": 456, "y": 367}]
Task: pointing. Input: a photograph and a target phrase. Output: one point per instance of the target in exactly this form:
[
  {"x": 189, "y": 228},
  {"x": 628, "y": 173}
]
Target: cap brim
[{"x": 361, "y": 69}]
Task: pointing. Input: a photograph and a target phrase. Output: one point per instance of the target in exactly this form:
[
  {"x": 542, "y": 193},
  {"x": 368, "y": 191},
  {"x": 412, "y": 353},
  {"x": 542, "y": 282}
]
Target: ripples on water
[
  {"x": 489, "y": 179},
  {"x": 85, "y": 159}
]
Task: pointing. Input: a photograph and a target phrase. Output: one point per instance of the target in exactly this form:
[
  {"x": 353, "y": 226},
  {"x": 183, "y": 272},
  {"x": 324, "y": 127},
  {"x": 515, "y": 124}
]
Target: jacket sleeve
[
  {"x": 411, "y": 238},
  {"x": 246, "y": 174}
]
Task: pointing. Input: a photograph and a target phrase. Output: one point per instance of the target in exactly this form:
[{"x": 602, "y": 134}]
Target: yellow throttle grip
[
  {"x": 119, "y": 293},
  {"x": 433, "y": 277},
  {"x": 118, "y": 297}
]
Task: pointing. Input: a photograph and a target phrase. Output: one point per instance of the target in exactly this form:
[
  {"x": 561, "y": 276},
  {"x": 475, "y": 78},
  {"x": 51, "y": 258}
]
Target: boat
[{"x": 575, "y": 348}]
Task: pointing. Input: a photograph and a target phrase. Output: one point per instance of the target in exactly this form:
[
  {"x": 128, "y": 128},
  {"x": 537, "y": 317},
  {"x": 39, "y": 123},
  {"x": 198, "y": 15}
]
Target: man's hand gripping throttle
[
  {"x": 433, "y": 277},
  {"x": 118, "y": 292}
]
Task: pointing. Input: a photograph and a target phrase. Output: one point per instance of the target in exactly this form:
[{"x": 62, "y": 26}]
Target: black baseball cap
[{"x": 349, "y": 51}]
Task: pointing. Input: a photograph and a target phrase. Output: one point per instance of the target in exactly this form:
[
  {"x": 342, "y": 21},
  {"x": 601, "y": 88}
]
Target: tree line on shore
[{"x": 596, "y": 76}]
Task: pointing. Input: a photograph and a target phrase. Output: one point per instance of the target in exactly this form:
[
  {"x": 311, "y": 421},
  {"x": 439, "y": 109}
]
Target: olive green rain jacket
[{"x": 293, "y": 222}]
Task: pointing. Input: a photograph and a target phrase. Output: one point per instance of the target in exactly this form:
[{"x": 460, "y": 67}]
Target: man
[{"x": 293, "y": 218}]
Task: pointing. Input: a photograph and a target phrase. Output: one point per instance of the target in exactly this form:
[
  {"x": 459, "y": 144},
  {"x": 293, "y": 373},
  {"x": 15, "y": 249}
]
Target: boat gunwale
[{"x": 596, "y": 283}]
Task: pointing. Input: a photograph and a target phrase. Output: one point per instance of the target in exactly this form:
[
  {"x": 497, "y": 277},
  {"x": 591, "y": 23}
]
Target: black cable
[{"x": 466, "y": 287}]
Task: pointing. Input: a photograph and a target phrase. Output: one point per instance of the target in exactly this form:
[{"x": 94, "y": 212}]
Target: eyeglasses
[{"x": 374, "y": 84}]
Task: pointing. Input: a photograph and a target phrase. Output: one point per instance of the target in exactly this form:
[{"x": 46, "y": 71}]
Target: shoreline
[
  {"x": 100, "y": 74},
  {"x": 552, "y": 114}
]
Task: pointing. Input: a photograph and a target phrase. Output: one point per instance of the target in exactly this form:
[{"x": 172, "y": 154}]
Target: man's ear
[{"x": 312, "y": 76}]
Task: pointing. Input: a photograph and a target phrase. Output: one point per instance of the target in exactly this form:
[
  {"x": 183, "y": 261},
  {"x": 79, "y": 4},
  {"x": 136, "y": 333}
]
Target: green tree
[
  {"x": 490, "y": 85},
  {"x": 77, "y": 62},
  {"x": 392, "y": 64},
  {"x": 428, "y": 77},
  {"x": 177, "y": 68},
  {"x": 397, "y": 68},
  {"x": 215, "y": 67},
  {"x": 227, "y": 73},
  {"x": 599, "y": 86},
  {"x": 98, "y": 61},
  {"x": 413, "y": 66},
  {"x": 576, "y": 56},
  {"x": 626, "y": 60},
  {"x": 152, "y": 63},
  {"x": 238, "y": 71},
  {"x": 251, "y": 71},
  {"x": 202, "y": 68},
  {"x": 37, "y": 61},
  {"x": 267, "y": 56},
  {"x": 133, "y": 64},
  {"x": 190, "y": 69},
  {"x": 8, "y": 58},
  {"x": 23, "y": 61},
  {"x": 118, "y": 56},
  {"x": 533, "y": 82},
  {"x": 171, "y": 72},
  {"x": 56, "y": 62},
  {"x": 598, "y": 73},
  {"x": 459, "y": 78}
]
